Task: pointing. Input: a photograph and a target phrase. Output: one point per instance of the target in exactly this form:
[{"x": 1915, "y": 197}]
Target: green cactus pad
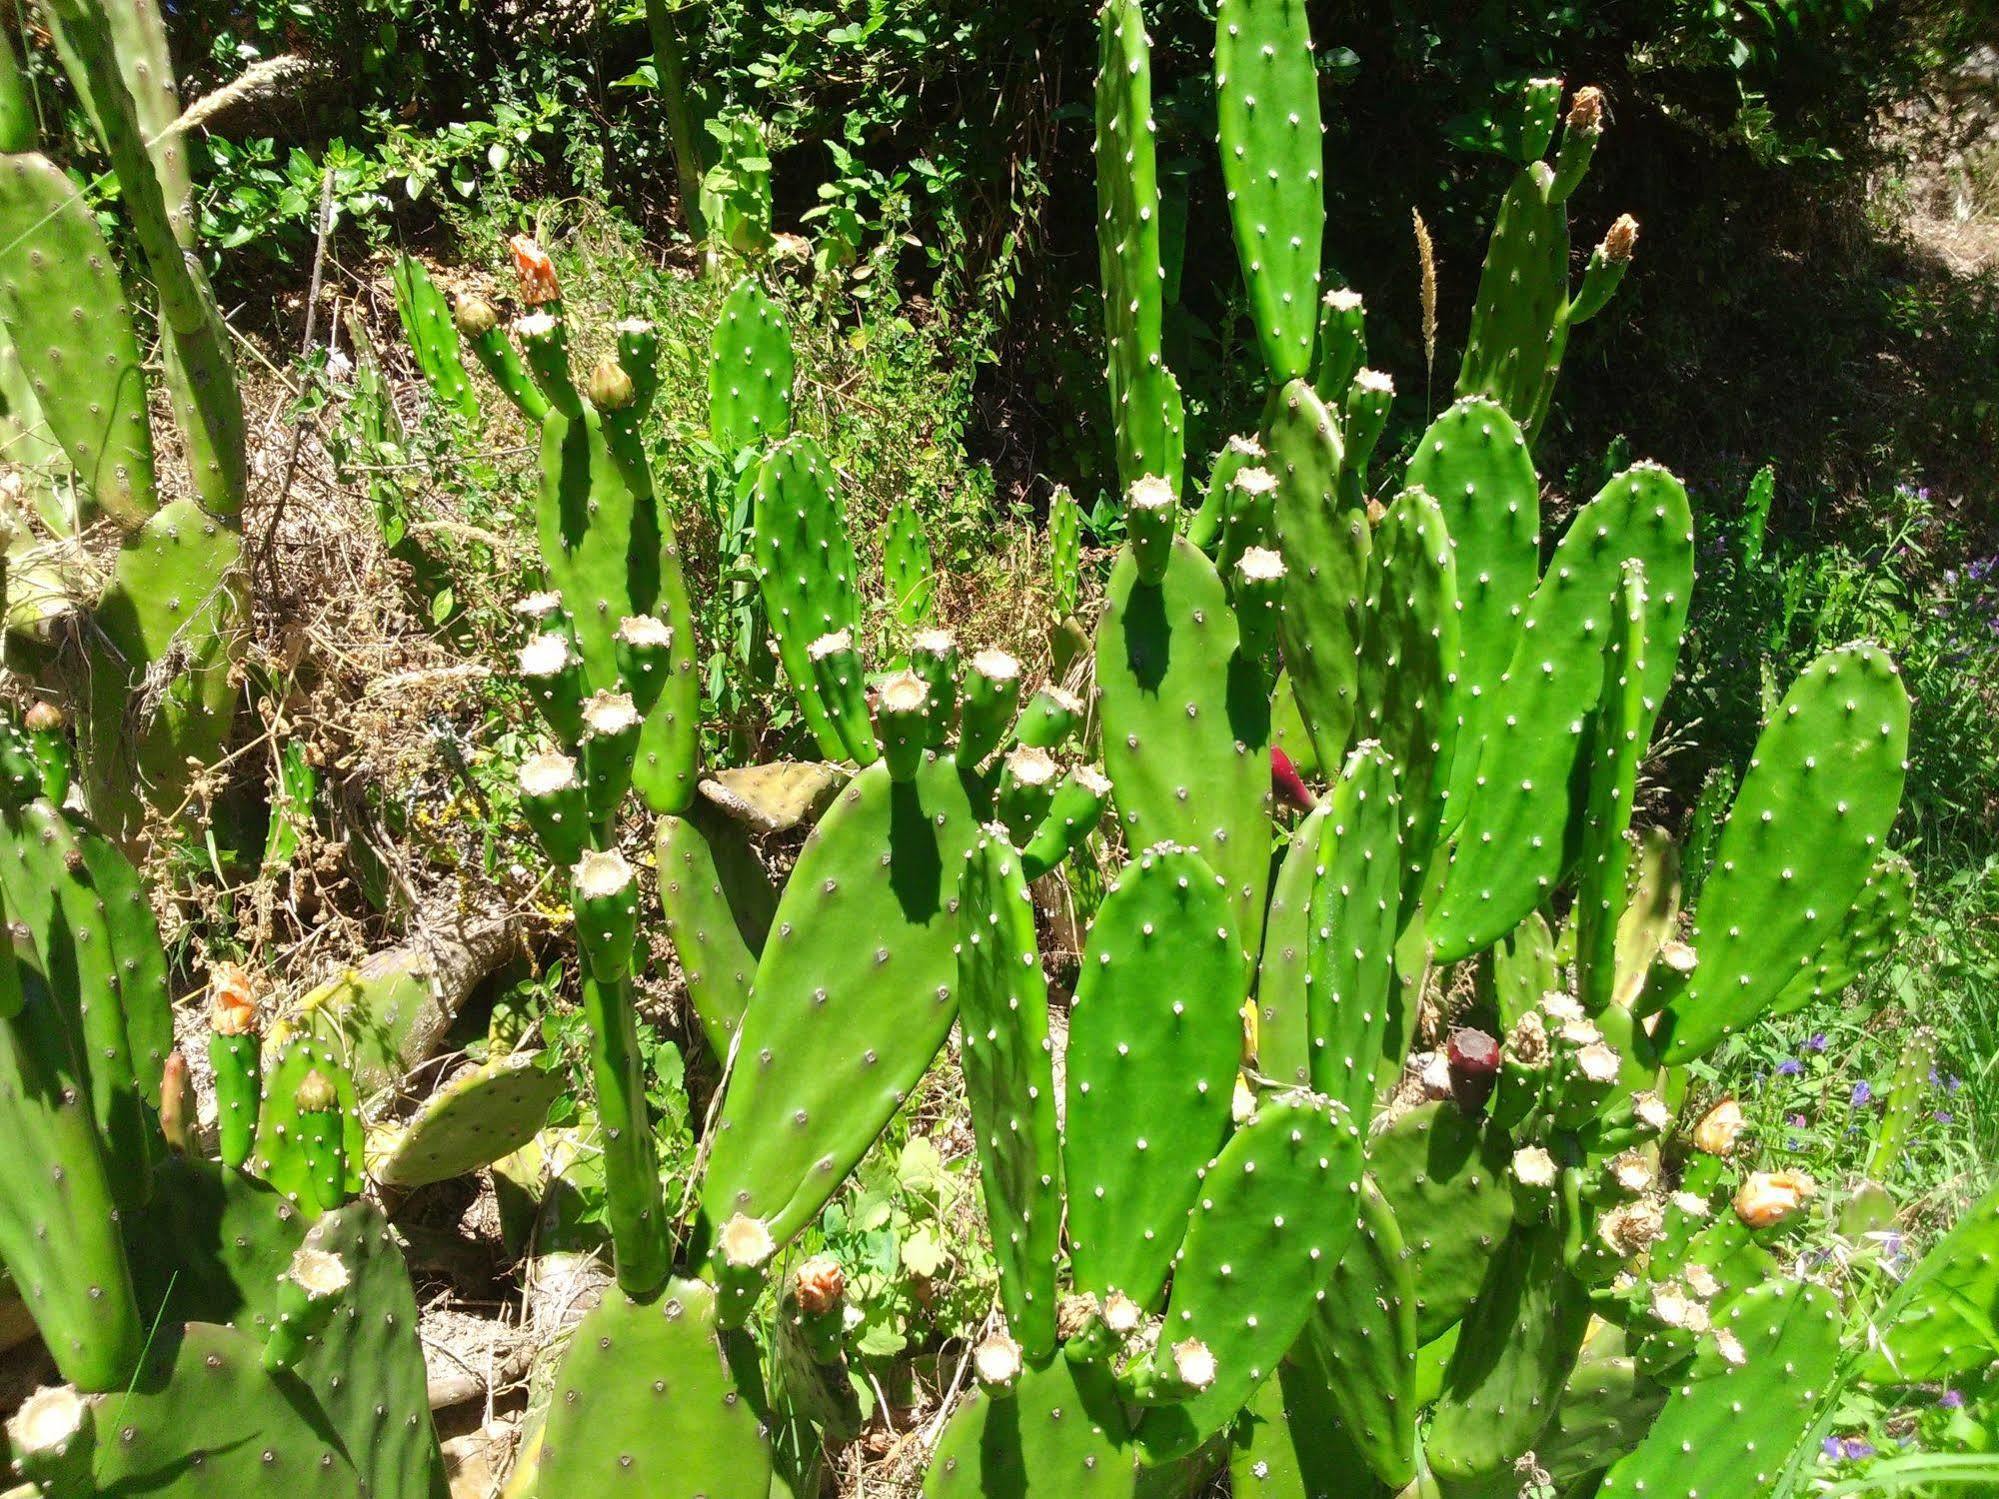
[
  {"x": 645, "y": 1403},
  {"x": 838, "y": 1030},
  {"x": 65, "y": 313},
  {"x": 1519, "y": 1340},
  {"x": 1651, "y": 912},
  {"x": 1362, "y": 1342},
  {"x": 1325, "y": 549},
  {"x": 474, "y": 1120},
  {"x": 59, "y": 1223},
  {"x": 1517, "y": 970},
  {"x": 1520, "y": 830},
  {"x": 1808, "y": 826},
  {"x": 907, "y": 569},
  {"x": 366, "y": 1365},
  {"x": 1872, "y": 929},
  {"x": 1289, "y": 1443},
  {"x": 1523, "y": 291},
  {"x": 1283, "y": 980},
  {"x": 1407, "y": 667},
  {"x": 1727, "y": 1428},
  {"x": 1276, "y": 1212},
  {"x": 174, "y": 597},
  {"x": 1267, "y": 105},
  {"x": 383, "y": 1016},
  {"x": 1154, "y": 1038},
  {"x": 1186, "y": 724},
  {"x": 1940, "y": 1323},
  {"x": 805, "y": 565},
  {"x": 100, "y": 952},
  {"x": 1610, "y": 792},
  {"x": 205, "y": 1418},
  {"x": 1607, "y": 1406},
  {"x": 433, "y": 338},
  {"x": 750, "y": 371},
  {"x": 1010, "y": 1084},
  {"x": 1145, "y": 400},
  {"x": 1474, "y": 463},
  {"x": 279, "y": 1156},
  {"x": 1446, "y": 1180},
  {"x": 610, "y": 555},
  {"x": 718, "y": 903},
  {"x": 211, "y": 1245},
  {"x": 1060, "y": 1430},
  {"x": 1355, "y": 1007}
]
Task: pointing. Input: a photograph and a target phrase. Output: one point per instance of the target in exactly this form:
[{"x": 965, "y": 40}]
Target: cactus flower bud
[
  {"x": 474, "y": 316},
  {"x": 1630, "y": 1228},
  {"x": 609, "y": 387},
  {"x": 545, "y": 655},
  {"x": 1620, "y": 240},
  {"x": 1122, "y": 1315},
  {"x": 1074, "y": 1315},
  {"x": 48, "y": 1421},
  {"x": 1560, "y": 1008},
  {"x": 45, "y": 718},
  {"x": 318, "y": 1273},
  {"x": 1586, "y": 109},
  {"x": 1194, "y": 1364},
  {"x": 232, "y": 1001},
  {"x": 536, "y": 270},
  {"x": 177, "y": 1105},
  {"x": 539, "y": 608},
  {"x": 745, "y": 1242},
  {"x": 608, "y": 713},
  {"x": 997, "y": 1361},
  {"x": 1598, "y": 1064},
  {"x": 1474, "y": 1063},
  {"x": 547, "y": 773},
  {"x": 1533, "y": 1167},
  {"x": 1632, "y": 1173},
  {"x": 1650, "y": 1110},
  {"x": 819, "y": 1285},
  {"x": 1527, "y": 1042},
  {"x": 1717, "y": 1131},
  {"x": 316, "y": 1095},
  {"x": 1767, "y": 1198}
]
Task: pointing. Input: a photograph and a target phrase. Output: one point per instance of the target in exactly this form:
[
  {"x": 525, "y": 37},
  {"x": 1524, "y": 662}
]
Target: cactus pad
[
  {"x": 1154, "y": 1039},
  {"x": 474, "y": 1120},
  {"x": 1325, "y": 547},
  {"x": 1010, "y": 1084},
  {"x": 645, "y": 1403},
  {"x": 718, "y": 903},
  {"x": 1446, "y": 1180},
  {"x": 1061, "y": 1430},
  {"x": 1808, "y": 826}
]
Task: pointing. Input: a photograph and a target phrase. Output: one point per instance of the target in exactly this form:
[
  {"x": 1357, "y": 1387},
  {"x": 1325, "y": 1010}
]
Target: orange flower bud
[
  {"x": 1715, "y": 1134},
  {"x": 537, "y": 271},
  {"x": 819, "y": 1285},
  {"x": 232, "y": 1000},
  {"x": 1769, "y": 1197}
]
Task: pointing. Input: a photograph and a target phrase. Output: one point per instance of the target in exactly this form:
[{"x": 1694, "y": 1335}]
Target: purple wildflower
[
  {"x": 1943, "y": 1116},
  {"x": 1790, "y": 1067},
  {"x": 1816, "y": 1044},
  {"x": 1863, "y": 1094},
  {"x": 1951, "y": 1400}
]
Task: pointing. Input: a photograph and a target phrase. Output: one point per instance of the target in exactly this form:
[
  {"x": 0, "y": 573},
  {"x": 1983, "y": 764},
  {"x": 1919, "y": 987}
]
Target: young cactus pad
[{"x": 474, "y": 1120}]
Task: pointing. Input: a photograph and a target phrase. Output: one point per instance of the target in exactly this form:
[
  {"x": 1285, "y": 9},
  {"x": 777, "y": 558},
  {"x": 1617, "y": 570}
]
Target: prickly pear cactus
[
  {"x": 1145, "y": 399},
  {"x": 1750, "y": 1394},
  {"x": 433, "y": 339},
  {"x": 65, "y": 312},
  {"x": 718, "y": 904},
  {"x": 280, "y": 1157},
  {"x": 1267, "y": 106},
  {"x": 1519, "y": 833},
  {"x": 474, "y": 1120},
  {"x": 1277, "y": 1208},
  {"x": 1445, "y": 1177},
  {"x": 1283, "y": 978},
  {"x": 1154, "y": 1038},
  {"x": 805, "y": 565},
  {"x": 205, "y": 1417},
  {"x": 1823, "y": 787},
  {"x": 1186, "y": 724},
  {"x": 1060, "y": 1429},
  {"x": 646, "y": 1401},
  {"x": 1361, "y": 1342},
  {"x": 1010, "y": 1085},
  {"x": 1325, "y": 546},
  {"x": 750, "y": 371},
  {"x": 838, "y": 1030}
]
